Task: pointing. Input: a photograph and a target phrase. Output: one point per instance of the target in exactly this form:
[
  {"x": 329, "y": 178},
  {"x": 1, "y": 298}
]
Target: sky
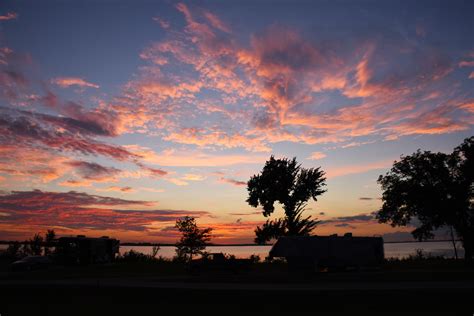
[{"x": 118, "y": 117}]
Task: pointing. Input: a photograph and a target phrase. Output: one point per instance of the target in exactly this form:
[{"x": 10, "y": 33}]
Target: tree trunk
[{"x": 454, "y": 244}]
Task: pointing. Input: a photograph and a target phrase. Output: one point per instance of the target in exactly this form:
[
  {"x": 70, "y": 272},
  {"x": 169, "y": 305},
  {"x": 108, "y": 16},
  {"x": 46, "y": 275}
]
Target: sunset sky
[{"x": 117, "y": 117}]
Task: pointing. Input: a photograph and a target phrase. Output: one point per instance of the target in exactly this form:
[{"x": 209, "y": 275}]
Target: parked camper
[
  {"x": 85, "y": 250},
  {"x": 340, "y": 252}
]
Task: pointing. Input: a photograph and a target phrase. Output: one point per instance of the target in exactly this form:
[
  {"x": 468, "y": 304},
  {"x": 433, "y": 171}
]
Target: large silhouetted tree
[
  {"x": 286, "y": 182},
  {"x": 435, "y": 188},
  {"x": 193, "y": 240}
]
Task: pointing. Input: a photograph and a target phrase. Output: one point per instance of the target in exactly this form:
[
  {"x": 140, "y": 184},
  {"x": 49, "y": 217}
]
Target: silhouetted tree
[
  {"x": 435, "y": 188},
  {"x": 154, "y": 250},
  {"x": 286, "y": 182},
  {"x": 193, "y": 240},
  {"x": 36, "y": 244},
  {"x": 13, "y": 250},
  {"x": 49, "y": 239}
]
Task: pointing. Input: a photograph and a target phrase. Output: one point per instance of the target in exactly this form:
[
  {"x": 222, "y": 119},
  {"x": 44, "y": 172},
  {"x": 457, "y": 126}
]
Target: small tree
[
  {"x": 36, "y": 244},
  {"x": 154, "y": 251},
  {"x": 193, "y": 240},
  {"x": 284, "y": 181},
  {"x": 49, "y": 239},
  {"x": 13, "y": 250}
]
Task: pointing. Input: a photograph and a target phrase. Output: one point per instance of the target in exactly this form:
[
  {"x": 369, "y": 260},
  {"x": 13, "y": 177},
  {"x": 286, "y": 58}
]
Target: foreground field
[{"x": 440, "y": 287}]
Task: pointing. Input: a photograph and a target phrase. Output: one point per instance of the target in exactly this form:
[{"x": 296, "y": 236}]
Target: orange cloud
[
  {"x": 188, "y": 158},
  {"x": 66, "y": 82},
  {"x": 118, "y": 189},
  {"x": 332, "y": 172},
  {"x": 203, "y": 138},
  {"x": 193, "y": 177},
  {"x": 31, "y": 164},
  {"x": 317, "y": 155}
]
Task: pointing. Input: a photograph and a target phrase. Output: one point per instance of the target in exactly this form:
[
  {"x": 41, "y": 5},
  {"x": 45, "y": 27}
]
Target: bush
[
  {"x": 13, "y": 252},
  {"x": 133, "y": 256},
  {"x": 255, "y": 258},
  {"x": 419, "y": 256}
]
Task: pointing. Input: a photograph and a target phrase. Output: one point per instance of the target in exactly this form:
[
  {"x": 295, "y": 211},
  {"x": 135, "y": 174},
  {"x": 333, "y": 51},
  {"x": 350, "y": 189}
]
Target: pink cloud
[
  {"x": 77, "y": 211},
  {"x": 163, "y": 23},
  {"x": 29, "y": 164},
  {"x": 114, "y": 188},
  {"x": 193, "y": 177},
  {"x": 9, "y": 16},
  {"x": 216, "y": 22},
  {"x": 190, "y": 158},
  {"x": 236, "y": 95},
  {"x": 57, "y": 133},
  {"x": 317, "y": 155},
  {"x": 66, "y": 82},
  {"x": 466, "y": 63},
  {"x": 232, "y": 181},
  {"x": 333, "y": 172},
  {"x": 203, "y": 138}
]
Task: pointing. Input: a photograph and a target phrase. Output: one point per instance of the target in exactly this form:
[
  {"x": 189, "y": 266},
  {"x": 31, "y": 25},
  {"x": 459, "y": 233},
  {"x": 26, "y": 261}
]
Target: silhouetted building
[
  {"x": 86, "y": 250},
  {"x": 312, "y": 252}
]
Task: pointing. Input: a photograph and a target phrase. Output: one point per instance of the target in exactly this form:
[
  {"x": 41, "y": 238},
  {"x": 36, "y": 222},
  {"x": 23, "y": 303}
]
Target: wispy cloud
[
  {"x": 233, "y": 181},
  {"x": 333, "y": 172},
  {"x": 66, "y": 82},
  {"x": 317, "y": 155},
  {"x": 162, "y": 22},
  {"x": 8, "y": 16},
  {"x": 189, "y": 158},
  {"x": 118, "y": 189}
]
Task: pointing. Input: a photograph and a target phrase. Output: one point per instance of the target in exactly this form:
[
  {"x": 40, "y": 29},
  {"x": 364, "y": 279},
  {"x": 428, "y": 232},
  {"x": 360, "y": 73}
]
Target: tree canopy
[
  {"x": 286, "y": 182},
  {"x": 436, "y": 189},
  {"x": 193, "y": 240}
]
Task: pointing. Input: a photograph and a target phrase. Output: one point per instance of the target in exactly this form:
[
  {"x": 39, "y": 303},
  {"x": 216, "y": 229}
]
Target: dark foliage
[
  {"x": 133, "y": 256},
  {"x": 435, "y": 188},
  {"x": 13, "y": 251},
  {"x": 36, "y": 245},
  {"x": 193, "y": 240},
  {"x": 286, "y": 182},
  {"x": 49, "y": 240}
]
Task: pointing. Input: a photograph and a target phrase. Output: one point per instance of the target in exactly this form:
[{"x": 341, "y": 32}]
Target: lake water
[{"x": 392, "y": 250}]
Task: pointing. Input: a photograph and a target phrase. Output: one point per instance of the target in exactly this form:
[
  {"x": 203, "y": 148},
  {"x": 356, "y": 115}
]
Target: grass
[
  {"x": 138, "y": 300},
  {"x": 410, "y": 269}
]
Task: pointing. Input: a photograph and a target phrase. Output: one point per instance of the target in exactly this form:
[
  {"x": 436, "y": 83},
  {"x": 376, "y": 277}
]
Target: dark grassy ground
[
  {"x": 398, "y": 270},
  {"x": 416, "y": 287},
  {"x": 77, "y": 300}
]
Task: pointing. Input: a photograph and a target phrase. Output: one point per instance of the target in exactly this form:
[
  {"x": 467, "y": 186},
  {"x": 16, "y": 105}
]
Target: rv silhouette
[
  {"x": 332, "y": 252},
  {"x": 86, "y": 250}
]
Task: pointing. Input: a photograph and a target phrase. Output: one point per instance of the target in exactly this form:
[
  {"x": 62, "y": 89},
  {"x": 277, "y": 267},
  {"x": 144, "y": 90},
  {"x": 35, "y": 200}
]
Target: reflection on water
[{"x": 392, "y": 250}]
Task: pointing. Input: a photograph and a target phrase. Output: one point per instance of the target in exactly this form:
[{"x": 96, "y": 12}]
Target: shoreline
[{"x": 6, "y": 242}]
